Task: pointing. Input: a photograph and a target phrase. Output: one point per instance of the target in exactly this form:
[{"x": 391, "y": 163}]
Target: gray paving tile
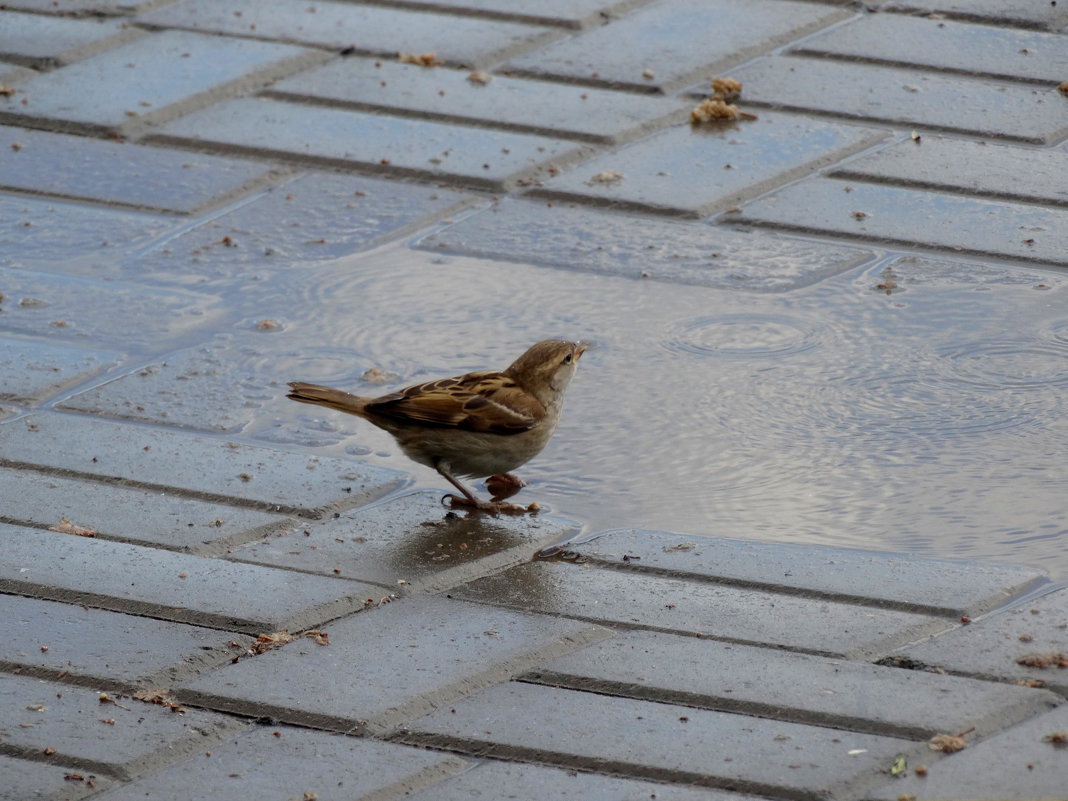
[
  {"x": 169, "y": 585},
  {"x": 698, "y": 608},
  {"x": 991, "y": 647},
  {"x": 167, "y": 71},
  {"x": 34, "y": 371},
  {"x": 126, "y": 513},
  {"x": 72, "y": 640},
  {"x": 153, "y": 179},
  {"x": 461, "y": 40},
  {"x": 905, "y": 97},
  {"x": 536, "y": 783},
  {"x": 697, "y": 170},
  {"x": 678, "y": 40},
  {"x": 539, "y": 107},
  {"x": 1048, "y": 15},
  {"x": 789, "y": 686},
  {"x": 636, "y": 246},
  {"x": 565, "y": 13},
  {"x": 930, "y": 586},
  {"x": 405, "y": 539},
  {"x": 284, "y": 762},
  {"x": 201, "y": 466},
  {"x": 974, "y": 168},
  {"x": 911, "y": 217},
  {"x": 80, "y": 7},
  {"x": 967, "y": 48},
  {"x": 38, "y": 41},
  {"x": 397, "y": 145},
  {"x": 42, "y": 714},
  {"x": 24, "y": 780},
  {"x": 431, "y": 649},
  {"x": 642, "y": 738},
  {"x": 1019, "y": 763}
]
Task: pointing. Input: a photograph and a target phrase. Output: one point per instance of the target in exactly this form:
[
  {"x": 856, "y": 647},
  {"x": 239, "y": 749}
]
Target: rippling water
[{"x": 928, "y": 420}]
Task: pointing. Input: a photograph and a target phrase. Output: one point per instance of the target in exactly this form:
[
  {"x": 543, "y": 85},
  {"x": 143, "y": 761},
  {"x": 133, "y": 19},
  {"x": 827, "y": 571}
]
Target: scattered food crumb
[
  {"x": 64, "y": 526},
  {"x": 420, "y": 59},
  {"x": 1059, "y": 738},
  {"x": 1056, "y": 658},
  {"x": 714, "y": 109},
  {"x": 605, "y": 177},
  {"x": 648, "y": 74},
  {"x": 949, "y": 743},
  {"x": 682, "y": 546},
  {"x": 1063, "y": 88},
  {"x": 726, "y": 89},
  {"x": 481, "y": 78}
]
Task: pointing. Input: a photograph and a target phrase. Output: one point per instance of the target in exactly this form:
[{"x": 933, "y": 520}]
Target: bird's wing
[{"x": 489, "y": 402}]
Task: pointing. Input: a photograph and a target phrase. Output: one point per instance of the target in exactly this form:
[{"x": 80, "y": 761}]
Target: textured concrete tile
[
  {"x": 698, "y": 608},
  {"x": 623, "y": 735},
  {"x": 170, "y": 585},
  {"x": 931, "y": 586},
  {"x": 992, "y": 647},
  {"x": 56, "y": 236},
  {"x": 678, "y": 40},
  {"x": 404, "y": 539},
  {"x": 142, "y": 79},
  {"x": 25, "y": 780},
  {"x": 393, "y": 662},
  {"x": 927, "y": 219},
  {"x": 280, "y": 480},
  {"x": 1019, "y": 763},
  {"x": 397, "y": 145},
  {"x": 1005, "y": 12},
  {"x": 312, "y": 218},
  {"x": 906, "y": 97},
  {"x": 789, "y": 686},
  {"x": 34, "y": 371},
  {"x": 540, "y": 107},
  {"x": 641, "y": 247},
  {"x": 100, "y": 313},
  {"x": 967, "y": 48},
  {"x": 125, "y": 513},
  {"x": 41, "y": 42},
  {"x": 972, "y": 168},
  {"x": 536, "y": 783},
  {"x": 72, "y": 720},
  {"x": 698, "y": 170},
  {"x": 461, "y": 40},
  {"x": 283, "y": 762},
  {"x": 154, "y": 179},
  {"x": 106, "y": 646}
]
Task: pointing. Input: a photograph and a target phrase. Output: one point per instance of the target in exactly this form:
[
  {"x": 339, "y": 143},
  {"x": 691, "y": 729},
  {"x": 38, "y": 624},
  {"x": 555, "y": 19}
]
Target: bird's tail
[{"x": 325, "y": 396}]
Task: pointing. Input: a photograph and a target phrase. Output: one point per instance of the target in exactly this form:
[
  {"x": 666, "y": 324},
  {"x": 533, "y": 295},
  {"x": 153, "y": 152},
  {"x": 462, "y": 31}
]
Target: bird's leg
[{"x": 470, "y": 500}]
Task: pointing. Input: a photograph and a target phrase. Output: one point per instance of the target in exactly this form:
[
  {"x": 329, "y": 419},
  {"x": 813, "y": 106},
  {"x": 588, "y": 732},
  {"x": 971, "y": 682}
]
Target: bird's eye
[{"x": 567, "y": 359}]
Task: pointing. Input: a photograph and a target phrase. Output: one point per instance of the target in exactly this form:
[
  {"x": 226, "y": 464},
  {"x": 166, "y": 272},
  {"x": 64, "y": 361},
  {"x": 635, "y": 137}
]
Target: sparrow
[{"x": 480, "y": 424}]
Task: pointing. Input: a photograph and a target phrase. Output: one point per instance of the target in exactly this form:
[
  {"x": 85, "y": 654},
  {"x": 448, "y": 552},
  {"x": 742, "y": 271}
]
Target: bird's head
[{"x": 547, "y": 368}]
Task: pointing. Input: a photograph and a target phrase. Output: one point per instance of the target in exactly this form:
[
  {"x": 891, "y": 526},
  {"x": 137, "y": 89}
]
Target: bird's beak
[{"x": 580, "y": 350}]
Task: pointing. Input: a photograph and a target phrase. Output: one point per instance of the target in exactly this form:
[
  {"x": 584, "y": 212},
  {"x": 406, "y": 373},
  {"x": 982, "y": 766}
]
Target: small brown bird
[{"x": 486, "y": 423}]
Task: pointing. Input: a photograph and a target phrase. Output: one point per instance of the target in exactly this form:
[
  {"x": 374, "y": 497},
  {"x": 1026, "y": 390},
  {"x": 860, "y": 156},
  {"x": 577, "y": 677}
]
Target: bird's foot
[{"x": 493, "y": 507}]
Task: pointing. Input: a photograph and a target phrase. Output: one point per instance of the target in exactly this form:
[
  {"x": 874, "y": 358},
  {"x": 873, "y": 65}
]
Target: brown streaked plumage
[{"x": 480, "y": 424}]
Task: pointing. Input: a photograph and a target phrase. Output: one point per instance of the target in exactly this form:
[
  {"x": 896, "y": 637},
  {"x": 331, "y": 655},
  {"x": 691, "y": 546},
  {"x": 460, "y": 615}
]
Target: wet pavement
[{"x": 810, "y": 475}]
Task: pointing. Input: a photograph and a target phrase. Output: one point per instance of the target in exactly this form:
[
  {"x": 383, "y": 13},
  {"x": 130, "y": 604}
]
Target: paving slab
[
  {"x": 432, "y": 650},
  {"x": 192, "y": 466},
  {"x": 396, "y": 145},
  {"x": 626, "y": 736},
  {"x": 286, "y": 762},
  {"x": 636, "y": 246},
  {"x": 698, "y": 608},
  {"x": 991, "y": 648},
  {"x": 44, "y": 42},
  {"x": 950, "y": 587},
  {"x": 536, "y": 783},
  {"x": 565, "y": 13},
  {"x": 101, "y": 313},
  {"x": 911, "y": 217},
  {"x": 537, "y": 107},
  {"x": 696, "y": 170},
  {"x": 1019, "y": 763},
  {"x": 771, "y": 683},
  {"x": 169, "y": 585},
  {"x": 153, "y": 179},
  {"x": 905, "y": 98},
  {"x": 24, "y": 780},
  {"x": 126, "y": 513},
  {"x": 152, "y": 79},
  {"x": 965, "y": 48},
  {"x": 460, "y": 40},
  {"x": 81, "y": 7},
  {"x": 676, "y": 41},
  {"x": 410, "y": 539},
  {"x": 1005, "y": 12},
  {"x": 34, "y": 371},
  {"x": 1024, "y": 174},
  {"x": 51, "y": 639}
]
